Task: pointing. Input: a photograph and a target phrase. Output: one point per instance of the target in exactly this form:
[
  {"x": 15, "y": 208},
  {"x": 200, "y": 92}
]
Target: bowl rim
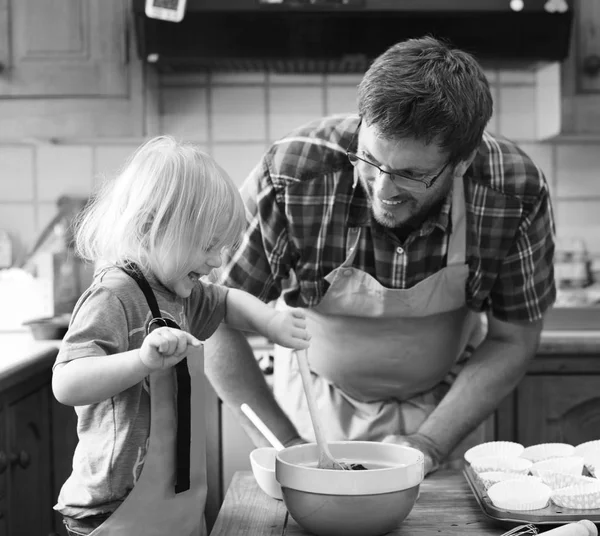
[{"x": 335, "y": 482}]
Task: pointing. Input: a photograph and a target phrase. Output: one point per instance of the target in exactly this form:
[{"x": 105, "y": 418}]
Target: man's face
[{"x": 392, "y": 203}]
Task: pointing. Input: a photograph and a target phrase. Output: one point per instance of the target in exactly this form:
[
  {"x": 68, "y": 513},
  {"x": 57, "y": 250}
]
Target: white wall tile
[
  {"x": 296, "y": 79},
  {"x": 184, "y": 112},
  {"x": 291, "y": 107},
  {"x": 19, "y": 220},
  {"x": 238, "y": 113},
  {"x": 516, "y": 112},
  {"x": 63, "y": 170},
  {"x": 543, "y": 155},
  {"x": 341, "y": 100},
  {"x": 16, "y": 173},
  {"x": 344, "y": 79},
  {"x": 516, "y": 77},
  {"x": 110, "y": 159},
  {"x": 579, "y": 219},
  {"x": 237, "y": 159},
  {"x": 578, "y": 170},
  {"x": 241, "y": 79}
]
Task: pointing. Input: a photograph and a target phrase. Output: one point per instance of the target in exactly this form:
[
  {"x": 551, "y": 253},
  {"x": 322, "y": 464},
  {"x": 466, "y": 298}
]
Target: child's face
[{"x": 204, "y": 263}]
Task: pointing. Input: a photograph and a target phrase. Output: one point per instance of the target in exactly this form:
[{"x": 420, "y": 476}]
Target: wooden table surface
[{"x": 446, "y": 506}]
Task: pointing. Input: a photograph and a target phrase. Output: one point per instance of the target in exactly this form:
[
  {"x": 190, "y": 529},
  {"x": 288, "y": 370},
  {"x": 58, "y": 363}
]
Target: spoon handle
[
  {"x": 302, "y": 357},
  {"x": 262, "y": 427}
]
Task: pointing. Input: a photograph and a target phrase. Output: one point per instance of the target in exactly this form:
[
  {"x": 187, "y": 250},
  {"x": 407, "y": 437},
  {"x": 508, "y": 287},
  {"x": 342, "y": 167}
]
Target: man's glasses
[{"x": 414, "y": 183}]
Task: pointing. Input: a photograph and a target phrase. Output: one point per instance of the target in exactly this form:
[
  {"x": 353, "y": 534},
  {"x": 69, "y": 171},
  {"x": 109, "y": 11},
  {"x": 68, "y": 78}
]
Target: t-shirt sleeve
[
  {"x": 98, "y": 327},
  {"x": 207, "y": 308}
]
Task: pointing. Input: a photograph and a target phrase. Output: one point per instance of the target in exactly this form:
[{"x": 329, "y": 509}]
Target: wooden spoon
[{"x": 326, "y": 460}]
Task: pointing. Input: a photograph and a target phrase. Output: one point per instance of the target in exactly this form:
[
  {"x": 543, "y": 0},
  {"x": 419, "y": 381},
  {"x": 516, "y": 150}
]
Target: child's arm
[
  {"x": 286, "y": 328},
  {"x": 92, "y": 379}
]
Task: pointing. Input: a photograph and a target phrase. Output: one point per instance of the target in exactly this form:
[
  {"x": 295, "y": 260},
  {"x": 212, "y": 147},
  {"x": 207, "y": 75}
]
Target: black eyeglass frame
[{"x": 413, "y": 182}]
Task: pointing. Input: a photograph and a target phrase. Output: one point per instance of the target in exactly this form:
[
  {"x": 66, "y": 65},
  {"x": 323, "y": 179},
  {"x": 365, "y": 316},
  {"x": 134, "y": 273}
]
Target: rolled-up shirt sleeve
[{"x": 525, "y": 288}]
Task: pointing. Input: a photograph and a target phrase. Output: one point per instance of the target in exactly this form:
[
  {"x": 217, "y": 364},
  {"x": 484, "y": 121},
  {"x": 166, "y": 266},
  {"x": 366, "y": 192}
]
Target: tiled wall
[{"x": 236, "y": 116}]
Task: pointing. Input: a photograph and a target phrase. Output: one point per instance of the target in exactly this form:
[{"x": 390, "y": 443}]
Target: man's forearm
[
  {"x": 492, "y": 372},
  {"x": 236, "y": 377}
]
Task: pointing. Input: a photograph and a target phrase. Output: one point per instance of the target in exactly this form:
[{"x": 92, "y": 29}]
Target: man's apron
[
  {"x": 154, "y": 508},
  {"x": 382, "y": 358}
]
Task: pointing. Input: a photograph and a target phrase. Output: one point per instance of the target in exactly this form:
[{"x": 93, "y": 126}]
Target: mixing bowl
[
  {"x": 370, "y": 502},
  {"x": 262, "y": 461}
]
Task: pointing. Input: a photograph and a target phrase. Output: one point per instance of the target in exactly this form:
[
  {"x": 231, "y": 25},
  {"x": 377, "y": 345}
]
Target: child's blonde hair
[{"x": 170, "y": 201}]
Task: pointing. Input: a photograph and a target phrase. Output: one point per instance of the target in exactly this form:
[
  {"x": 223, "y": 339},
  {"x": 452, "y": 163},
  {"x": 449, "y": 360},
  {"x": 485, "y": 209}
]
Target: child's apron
[{"x": 159, "y": 504}]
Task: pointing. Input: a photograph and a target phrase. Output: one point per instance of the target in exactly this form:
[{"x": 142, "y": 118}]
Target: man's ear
[{"x": 463, "y": 165}]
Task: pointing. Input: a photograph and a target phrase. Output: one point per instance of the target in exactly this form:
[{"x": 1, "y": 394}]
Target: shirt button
[
  {"x": 347, "y": 272},
  {"x": 399, "y": 250}
]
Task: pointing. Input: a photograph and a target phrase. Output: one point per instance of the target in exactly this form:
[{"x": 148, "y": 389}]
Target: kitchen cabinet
[
  {"x": 3, "y": 466},
  {"x": 27, "y": 472},
  {"x": 557, "y": 401},
  {"x": 63, "y": 48},
  {"x": 580, "y": 93},
  {"x": 558, "y": 409}
]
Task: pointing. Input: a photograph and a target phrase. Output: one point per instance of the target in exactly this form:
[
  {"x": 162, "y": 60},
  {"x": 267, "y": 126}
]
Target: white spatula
[{"x": 326, "y": 460}]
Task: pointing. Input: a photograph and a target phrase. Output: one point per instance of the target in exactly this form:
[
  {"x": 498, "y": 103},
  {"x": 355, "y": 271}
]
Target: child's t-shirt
[{"x": 109, "y": 318}]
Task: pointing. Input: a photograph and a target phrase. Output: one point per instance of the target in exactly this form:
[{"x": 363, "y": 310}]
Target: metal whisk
[{"x": 522, "y": 530}]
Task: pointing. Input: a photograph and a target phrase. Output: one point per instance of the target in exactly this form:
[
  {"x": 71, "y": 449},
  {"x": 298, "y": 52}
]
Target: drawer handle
[
  {"x": 3, "y": 462},
  {"x": 22, "y": 459}
]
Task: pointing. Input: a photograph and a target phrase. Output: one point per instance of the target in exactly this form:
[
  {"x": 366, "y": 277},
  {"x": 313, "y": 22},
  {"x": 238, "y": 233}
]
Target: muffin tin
[{"x": 550, "y": 515}]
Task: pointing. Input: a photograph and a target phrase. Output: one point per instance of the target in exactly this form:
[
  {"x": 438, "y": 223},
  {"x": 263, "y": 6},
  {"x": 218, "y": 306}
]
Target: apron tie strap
[{"x": 184, "y": 389}]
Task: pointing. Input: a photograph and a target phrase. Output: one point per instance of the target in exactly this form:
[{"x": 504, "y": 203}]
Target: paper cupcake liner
[
  {"x": 544, "y": 451},
  {"x": 592, "y": 465},
  {"x": 561, "y": 480},
  {"x": 501, "y": 463},
  {"x": 571, "y": 465},
  {"x": 589, "y": 449},
  {"x": 579, "y": 497},
  {"x": 494, "y": 448},
  {"x": 489, "y": 478},
  {"x": 519, "y": 495}
]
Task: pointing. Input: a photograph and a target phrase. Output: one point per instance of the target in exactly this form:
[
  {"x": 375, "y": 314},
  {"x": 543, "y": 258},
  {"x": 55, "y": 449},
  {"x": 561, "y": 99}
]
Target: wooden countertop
[
  {"x": 21, "y": 355},
  {"x": 582, "y": 342},
  {"x": 446, "y": 506}
]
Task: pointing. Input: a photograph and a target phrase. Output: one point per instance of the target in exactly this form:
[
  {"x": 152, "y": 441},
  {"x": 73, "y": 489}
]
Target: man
[{"x": 398, "y": 230}]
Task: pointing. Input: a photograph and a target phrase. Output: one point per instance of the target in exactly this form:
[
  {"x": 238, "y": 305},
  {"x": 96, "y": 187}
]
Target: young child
[{"x": 139, "y": 466}]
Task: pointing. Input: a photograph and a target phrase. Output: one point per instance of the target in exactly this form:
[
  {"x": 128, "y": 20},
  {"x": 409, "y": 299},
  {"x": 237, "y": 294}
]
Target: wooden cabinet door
[
  {"x": 588, "y": 46},
  {"x": 558, "y": 409},
  {"x": 581, "y": 72},
  {"x": 63, "y": 48},
  {"x": 3, "y": 471},
  {"x": 30, "y": 498},
  {"x": 64, "y": 441}
]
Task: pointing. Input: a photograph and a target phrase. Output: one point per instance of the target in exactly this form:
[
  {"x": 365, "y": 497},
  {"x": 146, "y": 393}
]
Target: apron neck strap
[
  {"x": 457, "y": 243},
  {"x": 183, "y": 382}
]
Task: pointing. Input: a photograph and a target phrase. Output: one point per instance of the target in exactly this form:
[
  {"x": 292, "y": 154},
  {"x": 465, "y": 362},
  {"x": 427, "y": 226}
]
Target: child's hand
[
  {"x": 165, "y": 347},
  {"x": 288, "y": 329}
]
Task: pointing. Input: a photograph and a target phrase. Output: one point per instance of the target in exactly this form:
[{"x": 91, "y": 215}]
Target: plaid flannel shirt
[{"x": 301, "y": 201}]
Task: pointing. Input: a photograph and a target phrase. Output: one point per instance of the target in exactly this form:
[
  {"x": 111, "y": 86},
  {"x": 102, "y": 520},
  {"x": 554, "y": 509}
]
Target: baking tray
[{"x": 551, "y": 515}]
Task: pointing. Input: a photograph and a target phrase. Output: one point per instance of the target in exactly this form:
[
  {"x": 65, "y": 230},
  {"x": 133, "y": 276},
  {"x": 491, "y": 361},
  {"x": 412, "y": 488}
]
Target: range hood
[{"x": 343, "y": 36}]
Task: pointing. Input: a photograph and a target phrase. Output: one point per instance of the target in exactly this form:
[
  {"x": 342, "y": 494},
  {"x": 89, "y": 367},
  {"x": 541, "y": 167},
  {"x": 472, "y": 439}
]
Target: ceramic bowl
[
  {"x": 370, "y": 502},
  {"x": 262, "y": 461}
]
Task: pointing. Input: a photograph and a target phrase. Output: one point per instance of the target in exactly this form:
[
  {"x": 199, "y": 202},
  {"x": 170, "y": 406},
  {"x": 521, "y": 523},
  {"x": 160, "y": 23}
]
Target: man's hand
[{"x": 422, "y": 443}]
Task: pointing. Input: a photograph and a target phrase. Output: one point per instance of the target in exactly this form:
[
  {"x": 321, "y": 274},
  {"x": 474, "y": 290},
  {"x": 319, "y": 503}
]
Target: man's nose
[{"x": 384, "y": 186}]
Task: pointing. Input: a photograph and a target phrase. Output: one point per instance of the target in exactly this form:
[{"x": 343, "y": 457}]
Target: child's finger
[
  {"x": 297, "y": 312},
  {"x": 192, "y": 340}
]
